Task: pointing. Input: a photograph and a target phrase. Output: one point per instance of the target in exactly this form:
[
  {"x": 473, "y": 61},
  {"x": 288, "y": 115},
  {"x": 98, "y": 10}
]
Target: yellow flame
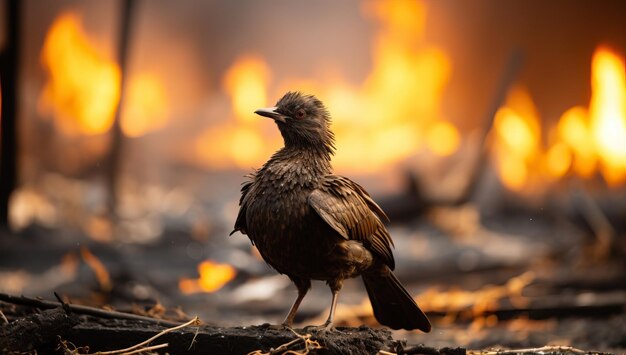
[
  {"x": 607, "y": 112},
  {"x": 146, "y": 108},
  {"x": 213, "y": 276},
  {"x": 246, "y": 83},
  {"x": 393, "y": 114},
  {"x": 585, "y": 141},
  {"x": 240, "y": 143},
  {"x": 516, "y": 126},
  {"x": 456, "y": 303},
  {"x": 83, "y": 88},
  {"x": 558, "y": 160},
  {"x": 227, "y": 144},
  {"x": 574, "y": 131},
  {"x": 443, "y": 138}
]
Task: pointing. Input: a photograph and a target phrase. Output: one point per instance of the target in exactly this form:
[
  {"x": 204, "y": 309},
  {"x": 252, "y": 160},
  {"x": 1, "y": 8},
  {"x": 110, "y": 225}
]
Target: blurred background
[{"x": 493, "y": 133}]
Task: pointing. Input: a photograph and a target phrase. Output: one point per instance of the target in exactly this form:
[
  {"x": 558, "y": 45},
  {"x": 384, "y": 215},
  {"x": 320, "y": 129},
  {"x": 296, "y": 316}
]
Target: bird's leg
[
  {"x": 335, "y": 287},
  {"x": 303, "y": 286}
]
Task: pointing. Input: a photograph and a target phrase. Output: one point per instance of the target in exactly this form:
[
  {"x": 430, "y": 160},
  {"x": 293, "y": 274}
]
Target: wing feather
[
  {"x": 240, "y": 222},
  {"x": 348, "y": 209}
]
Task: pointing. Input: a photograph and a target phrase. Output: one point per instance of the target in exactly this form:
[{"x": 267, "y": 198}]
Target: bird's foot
[{"x": 324, "y": 328}]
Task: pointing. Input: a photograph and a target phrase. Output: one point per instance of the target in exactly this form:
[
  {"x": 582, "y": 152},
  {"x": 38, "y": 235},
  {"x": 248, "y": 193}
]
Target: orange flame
[
  {"x": 83, "y": 89},
  {"x": 607, "y": 112},
  {"x": 146, "y": 109},
  {"x": 246, "y": 83},
  {"x": 574, "y": 132},
  {"x": 585, "y": 140},
  {"x": 213, "y": 276},
  {"x": 98, "y": 268},
  {"x": 455, "y": 303},
  {"x": 393, "y": 114},
  {"x": 516, "y": 126},
  {"x": 477, "y": 303},
  {"x": 241, "y": 142}
]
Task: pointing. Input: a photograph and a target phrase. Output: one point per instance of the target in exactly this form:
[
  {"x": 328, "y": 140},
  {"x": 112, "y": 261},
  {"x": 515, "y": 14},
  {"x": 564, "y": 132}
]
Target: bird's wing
[
  {"x": 240, "y": 223},
  {"x": 348, "y": 209}
]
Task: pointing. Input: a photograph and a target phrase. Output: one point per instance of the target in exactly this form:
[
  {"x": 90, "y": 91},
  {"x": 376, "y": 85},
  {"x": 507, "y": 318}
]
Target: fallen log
[{"x": 50, "y": 330}]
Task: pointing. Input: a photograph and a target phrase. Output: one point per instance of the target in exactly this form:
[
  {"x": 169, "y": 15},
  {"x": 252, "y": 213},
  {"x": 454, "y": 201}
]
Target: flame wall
[{"x": 399, "y": 77}]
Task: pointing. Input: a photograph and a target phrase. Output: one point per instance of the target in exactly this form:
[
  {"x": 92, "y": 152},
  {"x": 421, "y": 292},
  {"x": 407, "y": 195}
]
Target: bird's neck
[{"x": 314, "y": 161}]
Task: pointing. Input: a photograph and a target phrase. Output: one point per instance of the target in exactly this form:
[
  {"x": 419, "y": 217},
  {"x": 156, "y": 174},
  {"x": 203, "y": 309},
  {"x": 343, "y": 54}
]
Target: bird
[{"x": 311, "y": 224}]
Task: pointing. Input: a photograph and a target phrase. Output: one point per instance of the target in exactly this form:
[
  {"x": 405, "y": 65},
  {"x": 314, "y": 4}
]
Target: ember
[{"x": 213, "y": 276}]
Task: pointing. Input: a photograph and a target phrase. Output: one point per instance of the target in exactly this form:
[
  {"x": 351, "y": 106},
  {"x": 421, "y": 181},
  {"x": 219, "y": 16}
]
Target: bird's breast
[{"x": 288, "y": 233}]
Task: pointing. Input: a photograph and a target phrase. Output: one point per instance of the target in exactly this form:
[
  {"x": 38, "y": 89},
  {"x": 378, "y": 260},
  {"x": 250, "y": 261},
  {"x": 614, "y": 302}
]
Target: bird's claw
[{"x": 324, "y": 328}]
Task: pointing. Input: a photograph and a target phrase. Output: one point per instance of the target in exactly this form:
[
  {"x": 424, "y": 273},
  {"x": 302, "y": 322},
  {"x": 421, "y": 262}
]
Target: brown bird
[{"x": 312, "y": 225}]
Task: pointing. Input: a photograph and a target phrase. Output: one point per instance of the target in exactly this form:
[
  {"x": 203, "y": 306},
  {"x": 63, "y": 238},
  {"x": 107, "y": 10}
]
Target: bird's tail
[{"x": 393, "y": 305}]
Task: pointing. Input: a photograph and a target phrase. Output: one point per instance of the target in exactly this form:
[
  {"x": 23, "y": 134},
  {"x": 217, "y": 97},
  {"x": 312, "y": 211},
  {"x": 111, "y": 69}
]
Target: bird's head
[{"x": 303, "y": 121}]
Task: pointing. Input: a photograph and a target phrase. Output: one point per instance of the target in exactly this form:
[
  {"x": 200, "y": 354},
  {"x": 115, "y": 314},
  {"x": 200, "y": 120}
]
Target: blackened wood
[
  {"x": 426, "y": 350},
  {"x": 9, "y": 70},
  {"x": 36, "y": 332},
  {"x": 415, "y": 199},
  {"x": 102, "y": 335},
  {"x": 117, "y": 138},
  {"x": 507, "y": 79},
  {"x": 79, "y": 309}
]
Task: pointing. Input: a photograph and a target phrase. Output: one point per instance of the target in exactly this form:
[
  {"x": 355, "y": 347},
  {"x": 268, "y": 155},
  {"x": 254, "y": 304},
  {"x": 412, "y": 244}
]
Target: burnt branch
[{"x": 81, "y": 310}]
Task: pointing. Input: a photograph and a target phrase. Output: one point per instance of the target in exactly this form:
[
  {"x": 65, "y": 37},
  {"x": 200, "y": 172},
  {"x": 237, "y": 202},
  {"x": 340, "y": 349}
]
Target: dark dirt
[
  {"x": 102, "y": 335},
  {"x": 42, "y": 333}
]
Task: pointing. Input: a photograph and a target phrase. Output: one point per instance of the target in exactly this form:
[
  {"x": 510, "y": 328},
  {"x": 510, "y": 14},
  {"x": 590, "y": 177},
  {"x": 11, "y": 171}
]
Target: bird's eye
[{"x": 300, "y": 114}]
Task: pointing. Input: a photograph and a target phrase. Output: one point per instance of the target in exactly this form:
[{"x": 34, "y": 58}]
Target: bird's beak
[{"x": 271, "y": 113}]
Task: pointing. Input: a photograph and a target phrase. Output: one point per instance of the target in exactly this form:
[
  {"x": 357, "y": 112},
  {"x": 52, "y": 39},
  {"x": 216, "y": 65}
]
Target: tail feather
[{"x": 393, "y": 305}]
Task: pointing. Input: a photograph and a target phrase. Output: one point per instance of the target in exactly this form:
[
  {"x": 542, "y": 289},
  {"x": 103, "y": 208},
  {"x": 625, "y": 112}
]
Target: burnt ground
[{"x": 519, "y": 278}]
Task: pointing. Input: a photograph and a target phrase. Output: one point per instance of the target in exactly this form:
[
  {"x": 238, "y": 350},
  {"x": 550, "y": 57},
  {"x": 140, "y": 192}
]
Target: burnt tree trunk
[
  {"x": 117, "y": 139},
  {"x": 8, "y": 116}
]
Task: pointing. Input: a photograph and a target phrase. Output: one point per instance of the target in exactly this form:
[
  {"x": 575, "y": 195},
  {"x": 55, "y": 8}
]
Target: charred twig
[
  {"x": 424, "y": 350},
  {"x": 141, "y": 346},
  {"x": 551, "y": 349},
  {"x": 145, "y": 349},
  {"x": 599, "y": 223},
  {"x": 285, "y": 348},
  {"x": 4, "y": 318},
  {"x": 79, "y": 309}
]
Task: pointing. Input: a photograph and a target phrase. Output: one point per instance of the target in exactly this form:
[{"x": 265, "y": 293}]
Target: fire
[
  {"x": 472, "y": 304},
  {"x": 83, "y": 88},
  {"x": 584, "y": 141},
  {"x": 146, "y": 109},
  {"x": 213, "y": 276},
  {"x": 455, "y": 303},
  {"x": 607, "y": 112},
  {"x": 574, "y": 132},
  {"x": 246, "y": 83},
  {"x": 516, "y": 126},
  {"x": 391, "y": 115},
  {"x": 240, "y": 142}
]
